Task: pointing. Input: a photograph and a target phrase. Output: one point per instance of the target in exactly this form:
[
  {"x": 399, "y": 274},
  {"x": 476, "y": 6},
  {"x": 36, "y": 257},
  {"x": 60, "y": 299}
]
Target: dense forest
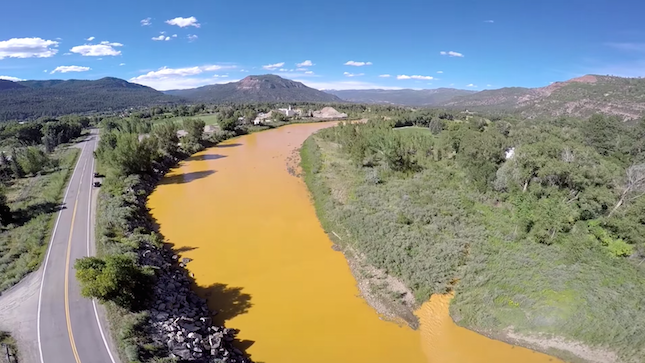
[
  {"x": 536, "y": 225},
  {"x": 33, "y": 99}
]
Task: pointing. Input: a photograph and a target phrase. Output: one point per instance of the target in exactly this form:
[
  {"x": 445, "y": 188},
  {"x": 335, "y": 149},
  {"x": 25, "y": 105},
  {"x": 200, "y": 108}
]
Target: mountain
[
  {"x": 583, "y": 96},
  {"x": 264, "y": 88},
  {"x": 405, "y": 97},
  {"x": 33, "y": 99},
  {"x": 4, "y": 85}
]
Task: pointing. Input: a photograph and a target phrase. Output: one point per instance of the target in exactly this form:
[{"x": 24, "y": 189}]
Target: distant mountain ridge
[
  {"x": 404, "y": 97},
  {"x": 33, "y": 99},
  {"x": 582, "y": 96},
  {"x": 262, "y": 88}
]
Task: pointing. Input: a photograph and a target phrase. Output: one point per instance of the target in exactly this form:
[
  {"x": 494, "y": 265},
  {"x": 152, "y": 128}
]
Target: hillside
[
  {"x": 264, "y": 88},
  {"x": 33, "y": 99},
  {"x": 583, "y": 96},
  {"x": 405, "y": 97}
]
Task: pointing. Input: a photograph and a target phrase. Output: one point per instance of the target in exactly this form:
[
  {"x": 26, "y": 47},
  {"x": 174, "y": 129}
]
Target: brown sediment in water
[{"x": 261, "y": 258}]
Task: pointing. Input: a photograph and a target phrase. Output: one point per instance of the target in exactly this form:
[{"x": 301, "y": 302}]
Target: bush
[{"x": 115, "y": 278}]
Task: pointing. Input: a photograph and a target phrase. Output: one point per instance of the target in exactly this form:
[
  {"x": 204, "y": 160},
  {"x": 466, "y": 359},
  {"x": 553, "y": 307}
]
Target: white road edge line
[
  {"x": 49, "y": 249},
  {"x": 89, "y": 224}
]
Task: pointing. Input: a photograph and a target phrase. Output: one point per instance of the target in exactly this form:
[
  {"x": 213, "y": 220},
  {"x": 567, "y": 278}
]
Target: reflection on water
[{"x": 261, "y": 258}]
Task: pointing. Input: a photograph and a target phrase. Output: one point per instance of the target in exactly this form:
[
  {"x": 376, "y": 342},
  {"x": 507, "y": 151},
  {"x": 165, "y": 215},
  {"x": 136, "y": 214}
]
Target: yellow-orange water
[{"x": 261, "y": 257}]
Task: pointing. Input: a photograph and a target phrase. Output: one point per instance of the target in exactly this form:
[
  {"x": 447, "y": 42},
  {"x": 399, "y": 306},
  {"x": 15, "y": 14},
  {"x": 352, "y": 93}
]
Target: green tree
[
  {"x": 194, "y": 128},
  {"x": 228, "y": 123},
  {"x": 16, "y": 168},
  {"x": 115, "y": 278},
  {"x": 33, "y": 160},
  {"x": 5, "y": 212},
  {"x": 166, "y": 135}
]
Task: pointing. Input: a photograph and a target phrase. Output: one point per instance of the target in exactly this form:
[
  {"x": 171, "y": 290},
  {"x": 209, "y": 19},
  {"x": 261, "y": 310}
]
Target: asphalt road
[{"x": 68, "y": 325}]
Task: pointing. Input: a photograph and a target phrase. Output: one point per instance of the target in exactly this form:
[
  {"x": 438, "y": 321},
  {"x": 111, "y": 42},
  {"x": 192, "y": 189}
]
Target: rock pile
[{"x": 180, "y": 319}]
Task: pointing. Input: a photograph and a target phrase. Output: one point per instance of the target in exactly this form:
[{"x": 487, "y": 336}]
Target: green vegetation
[
  {"x": 32, "y": 202},
  {"x": 547, "y": 241},
  {"x": 33, "y": 99}
]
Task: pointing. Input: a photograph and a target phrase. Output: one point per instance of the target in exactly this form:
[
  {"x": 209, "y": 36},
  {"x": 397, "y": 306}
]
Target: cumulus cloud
[
  {"x": 161, "y": 37},
  {"x": 440, "y": 72},
  {"x": 184, "y": 22},
  {"x": 309, "y": 72},
  {"x": 301, "y": 69},
  {"x": 451, "y": 54},
  {"x": 146, "y": 22},
  {"x": 192, "y": 37},
  {"x": 28, "y": 48},
  {"x": 179, "y": 78},
  {"x": 9, "y": 78},
  {"x": 347, "y": 74},
  {"x": 105, "y": 48},
  {"x": 273, "y": 67},
  {"x": 174, "y": 35},
  {"x": 385, "y": 76},
  {"x": 306, "y": 63},
  {"x": 489, "y": 21},
  {"x": 403, "y": 76},
  {"x": 90, "y": 39},
  {"x": 471, "y": 85},
  {"x": 67, "y": 69},
  {"x": 121, "y": 64},
  {"x": 357, "y": 64}
]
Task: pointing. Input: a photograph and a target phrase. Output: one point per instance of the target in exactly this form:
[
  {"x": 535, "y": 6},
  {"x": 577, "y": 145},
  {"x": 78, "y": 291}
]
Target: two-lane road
[{"x": 68, "y": 325}]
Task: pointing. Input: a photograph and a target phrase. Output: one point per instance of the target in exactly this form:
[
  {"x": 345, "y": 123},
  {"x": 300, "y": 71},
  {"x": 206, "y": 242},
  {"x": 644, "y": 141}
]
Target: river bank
[
  {"x": 173, "y": 321},
  {"x": 436, "y": 233}
]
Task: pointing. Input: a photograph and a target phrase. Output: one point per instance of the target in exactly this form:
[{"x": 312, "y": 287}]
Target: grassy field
[
  {"x": 33, "y": 202},
  {"x": 435, "y": 232}
]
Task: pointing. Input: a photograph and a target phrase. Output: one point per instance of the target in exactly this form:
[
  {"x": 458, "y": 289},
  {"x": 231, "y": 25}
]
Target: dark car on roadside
[
  {"x": 97, "y": 175},
  {"x": 97, "y": 184}
]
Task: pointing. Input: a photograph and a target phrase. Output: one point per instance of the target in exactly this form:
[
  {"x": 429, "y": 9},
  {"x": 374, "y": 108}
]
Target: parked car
[
  {"x": 97, "y": 175},
  {"x": 97, "y": 184}
]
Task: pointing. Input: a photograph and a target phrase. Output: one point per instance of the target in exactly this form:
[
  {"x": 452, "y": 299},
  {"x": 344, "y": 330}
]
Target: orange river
[{"x": 261, "y": 258}]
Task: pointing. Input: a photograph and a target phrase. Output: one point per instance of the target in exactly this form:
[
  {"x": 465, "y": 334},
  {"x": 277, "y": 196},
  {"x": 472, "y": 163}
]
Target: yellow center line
[{"x": 67, "y": 268}]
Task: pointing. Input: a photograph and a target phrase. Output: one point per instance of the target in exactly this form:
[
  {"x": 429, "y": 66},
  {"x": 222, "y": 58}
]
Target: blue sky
[{"x": 338, "y": 44}]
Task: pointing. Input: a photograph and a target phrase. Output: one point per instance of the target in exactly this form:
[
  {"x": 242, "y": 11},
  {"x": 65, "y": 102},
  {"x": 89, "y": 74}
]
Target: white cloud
[
  {"x": 28, "y": 48},
  {"x": 184, "y": 22},
  {"x": 440, "y": 72},
  {"x": 301, "y": 69},
  {"x": 66, "y": 69},
  {"x": 97, "y": 50},
  {"x": 90, "y": 39},
  {"x": 45, "y": 71},
  {"x": 161, "y": 37},
  {"x": 358, "y": 64},
  {"x": 179, "y": 78},
  {"x": 489, "y": 21},
  {"x": 9, "y": 78},
  {"x": 174, "y": 35},
  {"x": 347, "y": 74},
  {"x": 385, "y": 76},
  {"x": 146, "y": 22},
  {"x": 403, "y": 76},
  {"x": 192, "y": 37},
  {"x": 309, "y": 72},
  {"x": 341, "y": 85},
  {"x": 273, "y": 67},
  {"x": 471, "y": 85},
  {"x": 306, "y": 63},
  {"x": 489, "y": 85},
  {"x": 451, "y": 54},
  {"x": 244, "y": 70},
  {"x": 121, "y": 64}
]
